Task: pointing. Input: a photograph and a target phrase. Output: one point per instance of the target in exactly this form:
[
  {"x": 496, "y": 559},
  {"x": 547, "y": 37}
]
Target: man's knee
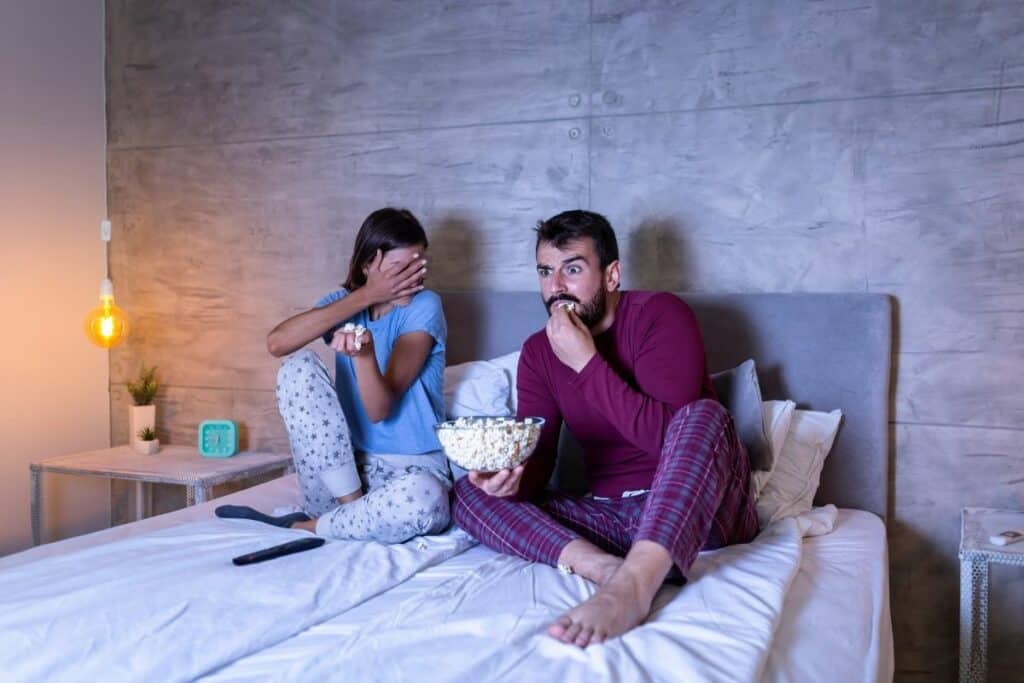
[
  {"x": 706, "y": 411},
  {"x": 702, "y": 421}
]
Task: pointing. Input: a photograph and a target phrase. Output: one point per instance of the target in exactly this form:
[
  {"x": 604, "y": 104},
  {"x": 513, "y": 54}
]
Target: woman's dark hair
[
  {"x": 569, "y": 226},
  {"x": 384, "y": 229}
]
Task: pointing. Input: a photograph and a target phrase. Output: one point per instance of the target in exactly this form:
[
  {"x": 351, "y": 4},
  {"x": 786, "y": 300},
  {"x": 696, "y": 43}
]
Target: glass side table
[{"x": 976, "y": 554}]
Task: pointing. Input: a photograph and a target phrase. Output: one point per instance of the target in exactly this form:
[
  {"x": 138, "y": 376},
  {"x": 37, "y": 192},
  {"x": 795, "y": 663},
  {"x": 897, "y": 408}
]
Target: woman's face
[
  {"x": 399, "y": 257},
  {"x": 402, "y": 256}
]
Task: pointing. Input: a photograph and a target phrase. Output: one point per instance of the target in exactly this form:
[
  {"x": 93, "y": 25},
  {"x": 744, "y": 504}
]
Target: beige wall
[{"x": 53, "y": 383}]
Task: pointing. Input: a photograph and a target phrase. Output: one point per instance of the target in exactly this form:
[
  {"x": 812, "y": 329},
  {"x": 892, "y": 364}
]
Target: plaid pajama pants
[{"x": 699, "y": 500}]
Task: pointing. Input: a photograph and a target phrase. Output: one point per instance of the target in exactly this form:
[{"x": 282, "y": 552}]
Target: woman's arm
[
  {"x": 380, "y": 393},
  {"x": 299, "y": 330},
  {"x": 402, "y": 279}
]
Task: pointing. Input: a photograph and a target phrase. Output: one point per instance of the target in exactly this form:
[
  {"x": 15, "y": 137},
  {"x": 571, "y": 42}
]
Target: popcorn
[
  {"x": 358, "y": 331},
  {"x": 489, "y": 444}
]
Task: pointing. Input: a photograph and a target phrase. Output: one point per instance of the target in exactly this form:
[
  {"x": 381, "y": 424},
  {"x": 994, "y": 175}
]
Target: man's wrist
[{"x": 578, "y": 368}]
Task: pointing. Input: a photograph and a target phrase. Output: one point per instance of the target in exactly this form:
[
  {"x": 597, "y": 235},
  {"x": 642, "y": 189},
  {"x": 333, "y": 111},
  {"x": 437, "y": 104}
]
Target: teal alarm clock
[{"x": 218, "y": 438}]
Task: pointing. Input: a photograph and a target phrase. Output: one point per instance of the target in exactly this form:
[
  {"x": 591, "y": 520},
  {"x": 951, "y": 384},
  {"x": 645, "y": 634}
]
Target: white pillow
[
  {"x": 510, "y": 363},
  {"x": 777, "y": 416},
  {"x": 476, "y": 388},
  {"x": 794, "y": 481}
]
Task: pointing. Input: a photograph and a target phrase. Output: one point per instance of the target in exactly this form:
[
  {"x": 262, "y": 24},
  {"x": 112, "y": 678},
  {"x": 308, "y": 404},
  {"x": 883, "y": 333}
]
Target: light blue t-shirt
[{"x": 409, "y": 430}]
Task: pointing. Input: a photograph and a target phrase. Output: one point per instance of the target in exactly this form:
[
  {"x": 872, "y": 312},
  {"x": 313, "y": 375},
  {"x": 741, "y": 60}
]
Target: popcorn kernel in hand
[{"x": 358, "y": 330}]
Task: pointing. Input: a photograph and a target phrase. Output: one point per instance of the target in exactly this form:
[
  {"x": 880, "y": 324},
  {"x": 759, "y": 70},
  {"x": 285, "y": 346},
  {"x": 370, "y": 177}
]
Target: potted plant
[
  {"x": 147, "y": 443},
  {"x": 142, "y": 414}
]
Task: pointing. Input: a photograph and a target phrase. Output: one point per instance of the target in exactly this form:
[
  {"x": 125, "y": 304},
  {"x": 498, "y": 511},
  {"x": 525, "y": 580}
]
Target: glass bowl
[{"x": 489, "y": 444}]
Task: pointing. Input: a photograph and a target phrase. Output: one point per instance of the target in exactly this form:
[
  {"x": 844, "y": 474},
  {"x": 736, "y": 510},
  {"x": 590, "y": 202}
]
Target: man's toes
[
  {"x": 571, "y": 633},
  {"x": 583, "y": 639},
  {"x": 557, "y": 629},
  {"x": 598, "y": 637}
]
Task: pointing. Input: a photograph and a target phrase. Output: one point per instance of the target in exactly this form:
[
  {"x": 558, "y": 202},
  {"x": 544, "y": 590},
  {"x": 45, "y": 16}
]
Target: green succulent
[{"x": 143, "y": 391}]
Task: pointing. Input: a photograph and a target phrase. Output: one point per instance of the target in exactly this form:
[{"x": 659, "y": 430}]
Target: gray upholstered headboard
[{"x": 823, "y": 351}]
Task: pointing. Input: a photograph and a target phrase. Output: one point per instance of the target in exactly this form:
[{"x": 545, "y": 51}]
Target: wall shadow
[
  {"x": 455, "y": 254},
  {"x": 656, "y": 256}
]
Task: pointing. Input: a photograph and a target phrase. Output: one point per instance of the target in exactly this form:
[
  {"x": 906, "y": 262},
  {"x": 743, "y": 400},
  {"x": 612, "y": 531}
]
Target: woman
[{"x": 365, "y": 451}]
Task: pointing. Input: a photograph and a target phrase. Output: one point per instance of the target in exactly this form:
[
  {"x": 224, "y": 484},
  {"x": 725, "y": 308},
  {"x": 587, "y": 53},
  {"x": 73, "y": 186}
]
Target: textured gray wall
[{"x": 736, "y": 146}]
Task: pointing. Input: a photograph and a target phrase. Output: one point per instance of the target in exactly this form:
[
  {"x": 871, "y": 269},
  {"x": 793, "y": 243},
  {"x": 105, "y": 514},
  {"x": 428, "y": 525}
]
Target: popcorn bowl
[{"x": 489, "y": 444}]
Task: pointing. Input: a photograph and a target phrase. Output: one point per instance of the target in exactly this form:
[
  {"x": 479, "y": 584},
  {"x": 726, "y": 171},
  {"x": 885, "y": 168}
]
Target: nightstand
[
  {"x": 180, "y": 465},
  {"x": 976, "y": 554}
]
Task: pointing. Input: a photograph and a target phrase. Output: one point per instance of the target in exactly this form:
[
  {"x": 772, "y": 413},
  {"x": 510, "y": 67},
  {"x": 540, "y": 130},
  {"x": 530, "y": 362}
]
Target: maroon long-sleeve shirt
[{"x": 649, "y": 364}]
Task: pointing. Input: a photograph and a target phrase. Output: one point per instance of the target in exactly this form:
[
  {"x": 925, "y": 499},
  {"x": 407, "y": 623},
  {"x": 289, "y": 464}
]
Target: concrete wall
[
  {"x": 53, "y": 383},
  {"x": 736, "y": 146}
]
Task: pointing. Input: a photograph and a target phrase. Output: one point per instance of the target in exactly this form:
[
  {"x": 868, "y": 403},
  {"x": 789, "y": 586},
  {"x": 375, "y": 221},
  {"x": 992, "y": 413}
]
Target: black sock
[{"x": 246, "y": 512}]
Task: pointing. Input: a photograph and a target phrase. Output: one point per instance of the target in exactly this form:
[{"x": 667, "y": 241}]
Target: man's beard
[{"x": 590, "y": 313}]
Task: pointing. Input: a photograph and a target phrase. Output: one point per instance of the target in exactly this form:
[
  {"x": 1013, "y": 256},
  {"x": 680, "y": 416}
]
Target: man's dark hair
[
  {"x": 384, "y": 229},
  {"x": 569, "y": 226}
]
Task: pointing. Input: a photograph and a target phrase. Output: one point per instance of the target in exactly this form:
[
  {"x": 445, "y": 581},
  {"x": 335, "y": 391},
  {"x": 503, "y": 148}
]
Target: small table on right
[{"x": 976, "y": 554}]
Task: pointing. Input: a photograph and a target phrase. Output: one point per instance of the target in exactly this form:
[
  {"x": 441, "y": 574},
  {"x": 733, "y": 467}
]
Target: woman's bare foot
[{"x": 623, "y": 601}]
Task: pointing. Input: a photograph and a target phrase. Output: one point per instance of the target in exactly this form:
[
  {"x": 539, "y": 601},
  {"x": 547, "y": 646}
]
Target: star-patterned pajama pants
[{"x": 404, "y": 495}]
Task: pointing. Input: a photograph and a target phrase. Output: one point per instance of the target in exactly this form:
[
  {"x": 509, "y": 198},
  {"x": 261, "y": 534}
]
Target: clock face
[{"x": 218, "y": 438}]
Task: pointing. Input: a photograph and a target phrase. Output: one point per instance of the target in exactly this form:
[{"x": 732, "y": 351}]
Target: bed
[{"x": 807, "y": 601}]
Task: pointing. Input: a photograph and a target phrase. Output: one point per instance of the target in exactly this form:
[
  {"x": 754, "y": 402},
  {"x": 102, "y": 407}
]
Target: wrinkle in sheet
[
  {"x": 127, "y": 608},
  {"x": 492, "y": 625}
]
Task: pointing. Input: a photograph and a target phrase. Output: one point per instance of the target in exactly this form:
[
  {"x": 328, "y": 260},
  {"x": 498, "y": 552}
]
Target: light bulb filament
[{"x": 106, "y": 325}]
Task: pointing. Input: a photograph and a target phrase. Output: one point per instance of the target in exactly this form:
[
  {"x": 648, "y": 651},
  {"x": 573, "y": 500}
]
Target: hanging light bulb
[{"x": 106, "y": 325}]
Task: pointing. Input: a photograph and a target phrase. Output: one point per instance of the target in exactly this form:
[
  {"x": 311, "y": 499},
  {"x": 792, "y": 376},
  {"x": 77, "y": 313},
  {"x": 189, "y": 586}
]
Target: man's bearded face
[{"x": 573, "y": 274}]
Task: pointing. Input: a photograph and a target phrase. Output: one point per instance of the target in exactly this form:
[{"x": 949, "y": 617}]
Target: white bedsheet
[
  {"x": 276, "y": 492},
  {"x": 491, "y": 625},
  {"x": 834, "y": 625},
  {"x": 837, "y": 625},
  {"x": 170, "y": 605}
]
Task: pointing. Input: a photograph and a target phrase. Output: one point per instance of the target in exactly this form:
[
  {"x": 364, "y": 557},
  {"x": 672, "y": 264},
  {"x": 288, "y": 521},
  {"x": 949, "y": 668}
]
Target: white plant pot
[
  {"x": 140, "y": 417},
  {"x": 147, "y": 447}
]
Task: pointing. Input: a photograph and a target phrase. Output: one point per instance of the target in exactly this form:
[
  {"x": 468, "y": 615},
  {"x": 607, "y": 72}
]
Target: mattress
[{"x": 834, "y": 625}]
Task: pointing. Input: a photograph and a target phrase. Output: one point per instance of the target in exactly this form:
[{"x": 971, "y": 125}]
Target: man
[{"x": 626, "y": 373}]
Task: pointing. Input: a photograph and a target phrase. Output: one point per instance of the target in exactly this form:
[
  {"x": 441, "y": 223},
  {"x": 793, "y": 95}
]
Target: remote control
[
  {"x": 279, "y": 550},
  {"x": 1007, "y": 537}
]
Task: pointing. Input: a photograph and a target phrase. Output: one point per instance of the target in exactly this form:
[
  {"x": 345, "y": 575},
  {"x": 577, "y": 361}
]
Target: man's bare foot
[
  {"x": 589, "y": 561},
  {"x": 619, "y": 605},
  {"x": 599, "y": 569},
  {"x": 623, "y": 601}
]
